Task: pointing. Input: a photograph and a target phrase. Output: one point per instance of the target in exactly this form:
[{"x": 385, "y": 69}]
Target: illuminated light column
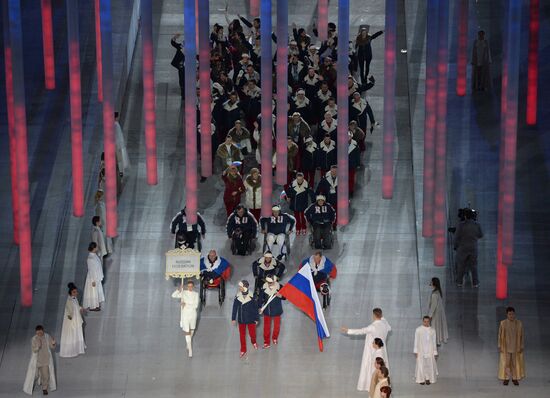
[
  {"x": 533, "y": 62},
  {"x": 108, "y": 118},
  {"x": 266, "y": 103},
  {"x": 11, "y": 123},
  {"x": 430, "y": 105},
  {"x": 254, "y": 12},
  {"x": 282, "y": 90},
  {"x": 440, "y": 188},
  {"x": 322, "y": 19},
  {"x": 76, "y": 108},
  {"x": 149, "y": 112},
  {"x": 390, "y": 34},
  {"x": 343, "y": 110},
  {"x": 20, "y": 120},
  {"x": 462, "y": 48},
  {"x": 190, "y": 122},
  {"x": 509, "y": 123},
  {"x": 98, "y": 57},
  {"x": 47, "y": 42},
  {"x": 205, "y": 91}
]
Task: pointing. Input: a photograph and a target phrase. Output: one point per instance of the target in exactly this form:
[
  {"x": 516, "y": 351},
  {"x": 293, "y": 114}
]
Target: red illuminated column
[
  {"x": 533, "y": 62},
  {"x": 462, "y": 48},
  {"x": 20, "y": 123},
  {"x": 98, "y": 57},
  {"x": 108, "y": 119},
  {"x": 47, "y": 40},
  {"x": 254, "y": 12},
  {"x": 440, "y": 189},
  {"x": 190, "y": 51},
  {"x": 149, "y": 112},
  {"x": 11, "y": 124},
  {"x": 76, "y": 107},
  {"x": 342, "y": 98},
  {"x": 509, "y": 119},
  {"x": 322, "y": 20},
  {"x": 390, "y": 34},
  {"x": 282, "y": 90},
  {"x": 266, "y": 112},
  {"x": 430, "y": 105},
  {"x": 205, "y": 91}
]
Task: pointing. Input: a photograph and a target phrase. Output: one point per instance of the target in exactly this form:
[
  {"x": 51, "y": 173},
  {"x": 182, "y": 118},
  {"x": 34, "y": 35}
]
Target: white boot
[{"x": 189, "y": 347}]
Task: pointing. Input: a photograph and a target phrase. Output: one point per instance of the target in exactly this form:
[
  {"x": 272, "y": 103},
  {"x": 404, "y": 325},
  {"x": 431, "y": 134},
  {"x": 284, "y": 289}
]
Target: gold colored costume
[{"x": 510, "y": 344}]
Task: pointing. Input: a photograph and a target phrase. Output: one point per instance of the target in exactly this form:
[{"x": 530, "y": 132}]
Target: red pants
[
  {"x": 251, "y": 332},
  {"x": 351, "y": 175},
  {"x": 300, "y": 221},
  {"x": 256, "y": 213},
  {"x": 267, "y": 328},
  {"x": 231, "y": 202},
  {"x": 310, "y": 178}
]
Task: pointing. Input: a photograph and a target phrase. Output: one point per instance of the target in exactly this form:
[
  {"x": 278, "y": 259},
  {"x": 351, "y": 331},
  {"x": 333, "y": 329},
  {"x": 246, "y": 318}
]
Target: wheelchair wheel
[
  {"x": 202, "y": 292},
  {"x": 257, "y": 287},
  {"x": 221, "y": 292}
]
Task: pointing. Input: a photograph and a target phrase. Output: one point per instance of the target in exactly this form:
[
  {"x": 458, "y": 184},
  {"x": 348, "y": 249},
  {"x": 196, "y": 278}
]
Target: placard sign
[{"x": 183, "y": 263}]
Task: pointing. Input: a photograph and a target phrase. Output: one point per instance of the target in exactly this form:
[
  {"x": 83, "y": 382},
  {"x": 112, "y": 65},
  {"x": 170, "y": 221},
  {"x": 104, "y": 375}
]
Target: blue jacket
[
  {"x": 275, "y": 307},
  {"x": 324, "y": 214},
  {"x": 245, "y": 313},
  {"x": 300, "y": 196},
  {"x": 246, "y": 223},
  {"x": 179, "y": 224},
  {"x": 278, "y": 225}
]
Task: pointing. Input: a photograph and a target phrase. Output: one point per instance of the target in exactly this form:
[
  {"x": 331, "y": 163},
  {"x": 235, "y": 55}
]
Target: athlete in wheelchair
[
  {"x": 276, "y": 229},
  {"x": 320, "y": 216},
  {"x": 322, "y": 270},
  {"x": 188, "y": 235},
  {"x": 266, "y": 266},
  {"x": 242, "y": 229},
  {"x": 215, "y": 271}
]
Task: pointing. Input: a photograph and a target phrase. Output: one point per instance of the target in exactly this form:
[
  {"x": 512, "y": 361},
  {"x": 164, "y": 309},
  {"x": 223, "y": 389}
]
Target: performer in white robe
[
  {"x": 93, "y": 289},
  {"x": 425, "y": 349},
  {"x": 72, "y": 338},
  {"x": 189, "y": 304},
  {"x": 122, "y": 159},
  {"x": 378, "y": 328},
  {"x": 102, "y": 213},
  {"x": 98, "y": 237},
  {"x": 41, "y": 366}
]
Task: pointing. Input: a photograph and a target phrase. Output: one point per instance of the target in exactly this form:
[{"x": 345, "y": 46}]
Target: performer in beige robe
[
  {"x": 383, "y": 381},
  {"x": 425, "y": 349},
  {"x": 510, "y": 344},
  {"x": 378, "y": 328},
  {"x": 93, "y": 289},
  {"x": 41, "y": 366},
  {"x": 102, "y": 213},
  {"x": 98, "y": 237},
  {"x": 122, "y": 159}
]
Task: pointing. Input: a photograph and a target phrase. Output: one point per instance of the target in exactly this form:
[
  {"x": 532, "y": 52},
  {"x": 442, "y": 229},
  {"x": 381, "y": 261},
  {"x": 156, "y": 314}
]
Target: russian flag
[
  {"x": 223, "y": 267},
  {"x": 300, "y": 291}
]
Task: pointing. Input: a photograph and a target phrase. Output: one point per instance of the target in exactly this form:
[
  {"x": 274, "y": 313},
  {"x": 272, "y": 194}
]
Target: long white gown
[
  {"x": 102, "y": 213},
  {"x": 72, "y": 338},
  {"x": 380, "y": 329},
  {"x": 439, "y": 320},
  {"x": 93, "y": 295},
  {"x": 33, "y": 375},
  {"x": 122, "y": 159},
  {"x": 99, "y": 238},
  {"x": 426, "y": 349}
]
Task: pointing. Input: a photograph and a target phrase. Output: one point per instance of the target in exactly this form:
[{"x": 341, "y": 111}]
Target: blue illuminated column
[
  {"x": 266, "y": 112},
  {"x": 508, "y": 143},
  {"x": 282, "y": 89},
  {"x": 343, "y": 110}
]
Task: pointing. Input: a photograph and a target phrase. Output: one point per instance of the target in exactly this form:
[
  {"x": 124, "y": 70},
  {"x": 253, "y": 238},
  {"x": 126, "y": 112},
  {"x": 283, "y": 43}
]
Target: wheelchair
[
  {"x": 217, "y": 283},
  {"x": 326, "y": 242},
  {"x": 182, "y": 239},
  {"x": 242, "y": 246},
  {"x": 286, "y": 246}
]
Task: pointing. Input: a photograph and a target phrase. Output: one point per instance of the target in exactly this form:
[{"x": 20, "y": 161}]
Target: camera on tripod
[{"x": 463, "y": 214}]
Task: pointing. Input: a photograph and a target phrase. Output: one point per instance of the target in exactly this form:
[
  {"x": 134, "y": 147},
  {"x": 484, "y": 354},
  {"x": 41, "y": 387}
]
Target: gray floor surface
[{"x": 135, "y": 347}]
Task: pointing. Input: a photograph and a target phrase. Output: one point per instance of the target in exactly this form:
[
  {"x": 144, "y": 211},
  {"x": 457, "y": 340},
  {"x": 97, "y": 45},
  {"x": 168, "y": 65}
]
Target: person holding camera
[{"x": 467, "y": 234}]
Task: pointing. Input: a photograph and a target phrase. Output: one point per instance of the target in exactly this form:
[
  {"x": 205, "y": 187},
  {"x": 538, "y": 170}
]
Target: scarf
[
  {"x": 327, "y": 128},
  {"x": 360, "y": 106},
  {"x": 266, "y": 267},
  {"x": 212, "y": 266},
  {"x": 333, "y": 183},
  {"x": 311, "y": 147},
  {"x": 244, "y": 298},
  {"x": 300, "y": 188},
  {"x": 270, "y": 291},
  {"x": 328, "y": 148},
  {"x": 316, "y": 268}
]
